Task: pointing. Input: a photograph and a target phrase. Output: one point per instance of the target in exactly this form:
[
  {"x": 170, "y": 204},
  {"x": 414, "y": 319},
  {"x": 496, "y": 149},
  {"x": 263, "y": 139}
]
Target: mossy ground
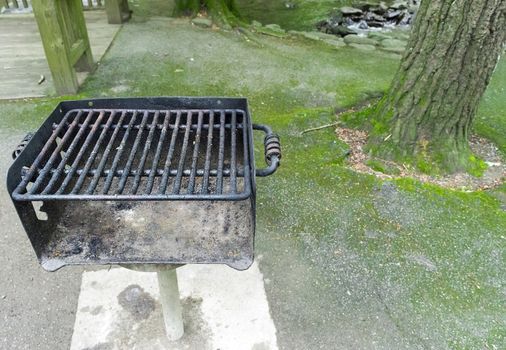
[
  {"x": 298, "y": 15},
  {"x": 491, "y": 119},
  {"x": 349, "y": 261}
]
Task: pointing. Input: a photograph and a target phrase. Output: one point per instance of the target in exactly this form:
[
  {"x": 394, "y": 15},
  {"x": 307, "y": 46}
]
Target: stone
[
  {"x": 370, "y": 16},
  {"x": 362, "y": 47},
  {"x": 377, "y": 10},
  {"x": 399, "y": 34},
  {"x": 365, "y": 6},
  {"x": 256, "y": 24},
  {"x": 337, "y": 43},
  {"x": 392, "y": 14},
  {"x": 395, "y": 43},
  {"x": 399, "y": 5},
  {"x": 310, "y": 35},
  {"x": 275, "y": 28},
  {"x": 342, "y": 31},
  {"x": 363, "y": 25},
  {"x": 202, "y": 22},
  {"x": 336, "y": 19},
  {"x": 350, "y": 11},
  {"x": 396, "y": 50},
  {"x": 349, "y": 21},
  {"x": 412, "y": 9},
  {"x": 378, "y": 36},
  {"x": 382, "y": 8},
  {"x": 324, "y": 36},
  {"x": 405, "y": 19},
  {"x": 272, "y": 30},
  {"x": 355, "y": 39},
  {"x": 375, "y": 24}
]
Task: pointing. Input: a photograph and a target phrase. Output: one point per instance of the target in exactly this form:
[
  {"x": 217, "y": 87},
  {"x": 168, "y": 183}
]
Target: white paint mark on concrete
[{"x": 223, "y": 309}]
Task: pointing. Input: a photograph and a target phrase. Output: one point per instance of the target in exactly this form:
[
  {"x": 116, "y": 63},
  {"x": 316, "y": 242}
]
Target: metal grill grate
[{"x": 106, "y": 154}]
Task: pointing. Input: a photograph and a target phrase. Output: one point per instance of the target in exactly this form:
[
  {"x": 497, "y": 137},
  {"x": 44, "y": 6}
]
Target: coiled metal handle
[
  {"x": 272, "y": 148},
  {"x": 21, "y": 146}
]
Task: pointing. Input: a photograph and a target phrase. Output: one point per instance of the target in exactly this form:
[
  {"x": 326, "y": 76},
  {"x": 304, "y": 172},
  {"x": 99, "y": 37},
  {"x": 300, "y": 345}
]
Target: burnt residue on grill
[
  {"x": 167, "y": 180},
  {"x": 128, "y": 232}
]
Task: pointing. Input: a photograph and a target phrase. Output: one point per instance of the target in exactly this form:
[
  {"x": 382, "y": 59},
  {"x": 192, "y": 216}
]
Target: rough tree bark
[
  {"x": 452, "y": 53},
  {"x": 222, "y": 11}
]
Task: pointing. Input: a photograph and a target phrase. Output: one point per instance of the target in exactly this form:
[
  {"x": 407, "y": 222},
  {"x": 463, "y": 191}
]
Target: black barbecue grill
[{"x": 141, "y": 181}]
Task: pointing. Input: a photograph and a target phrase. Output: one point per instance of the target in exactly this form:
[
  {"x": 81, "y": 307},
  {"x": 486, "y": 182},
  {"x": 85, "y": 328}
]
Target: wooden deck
[{"x": 22, "y": 59}]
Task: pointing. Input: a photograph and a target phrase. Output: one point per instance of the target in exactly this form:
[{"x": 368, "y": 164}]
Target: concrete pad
[{"x": 222, "y": 309}]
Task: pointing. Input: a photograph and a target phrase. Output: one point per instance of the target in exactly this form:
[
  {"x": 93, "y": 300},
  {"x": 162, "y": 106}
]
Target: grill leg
[{"x": 171, "y": 305}]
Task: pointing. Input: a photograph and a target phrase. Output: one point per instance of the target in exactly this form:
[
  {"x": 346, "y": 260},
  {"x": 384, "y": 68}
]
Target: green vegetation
[
  {"x": 491, "y": 119},
  {"x": 350, "y": 260},
  {"x": 382, "y": 166},
  {"x": 298, "y": 15},
  {"x": 431, "y": 257}
]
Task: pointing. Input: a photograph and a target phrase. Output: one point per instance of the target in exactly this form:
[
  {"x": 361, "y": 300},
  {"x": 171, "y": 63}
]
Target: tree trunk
[
  {"x": 222, "y": 11},
  {"x": 452, "y": 53}
]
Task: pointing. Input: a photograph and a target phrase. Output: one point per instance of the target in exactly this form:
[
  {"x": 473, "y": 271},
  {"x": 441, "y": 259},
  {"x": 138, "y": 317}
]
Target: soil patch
[{"x": 493, "y": 176}]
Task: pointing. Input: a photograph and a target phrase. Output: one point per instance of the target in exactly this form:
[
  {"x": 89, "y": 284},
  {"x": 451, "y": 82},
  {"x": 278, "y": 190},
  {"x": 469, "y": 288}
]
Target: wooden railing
[
  {"x": 13, "y": 5},
  {"x": 93, "y": 4}
]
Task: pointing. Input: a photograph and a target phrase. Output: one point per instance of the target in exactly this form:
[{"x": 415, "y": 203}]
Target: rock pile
[{"x": 366, "y": 15}]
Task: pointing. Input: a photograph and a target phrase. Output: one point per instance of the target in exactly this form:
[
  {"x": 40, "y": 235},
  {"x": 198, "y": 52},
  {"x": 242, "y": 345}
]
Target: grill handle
[
  {"x": 21, "y": 146},
  {"x": 272, "y": 151}
]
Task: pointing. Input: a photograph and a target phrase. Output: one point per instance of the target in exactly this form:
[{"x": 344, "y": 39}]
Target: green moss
[
  {"x": 435, "y": 157},
  {"x": 361, "y": 119},
  {"x": 382, "y": 166},
  {"x": 424, "y": 166},
  {"x": 490, "y": 121},
  {"x": 476, "y": 166}
]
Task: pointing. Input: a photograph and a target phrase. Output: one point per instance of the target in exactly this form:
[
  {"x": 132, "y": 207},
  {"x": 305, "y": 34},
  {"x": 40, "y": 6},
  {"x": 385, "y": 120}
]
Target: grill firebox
[{"x": 147, "y": 181}]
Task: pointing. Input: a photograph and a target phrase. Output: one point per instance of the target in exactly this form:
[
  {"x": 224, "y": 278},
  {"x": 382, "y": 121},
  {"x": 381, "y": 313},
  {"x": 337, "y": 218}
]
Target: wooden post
[
  {"x": 117, "y": 11},
  {"x": 65, "y": 39},
  {"x": 84, "y": 62}
]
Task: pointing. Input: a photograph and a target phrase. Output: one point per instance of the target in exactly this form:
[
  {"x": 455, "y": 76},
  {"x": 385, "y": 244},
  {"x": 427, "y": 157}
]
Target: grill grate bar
[
  {"x": 246, "y": 162},
  {"x": 56, "y": 153},
  {"x": 207, "y": 164},
  {"x": 63, "y": 162},
  {"x": 80, "y": 154},
  {"x": 147, "y": 147},
  {"x": 105, "y": 156},
  {"x": 119, "y": 152},
  {"x": 133, "y": 151},
  {"x": 91, "y": 158},
  {"x": 128, "y": 153},
  {"x": 158, "y": 152},
  {"x": 156, "y": 172},
  {"x": 168, "y": 161},
  {"x": 233, "y": 160},
  {"x": 221, "y": 154},
  {"x": 191, "y": 183},
  {"x": 159, "y": 126},
  {"x": 184, "y": 149},
  {"x": 34, "y": 167}
]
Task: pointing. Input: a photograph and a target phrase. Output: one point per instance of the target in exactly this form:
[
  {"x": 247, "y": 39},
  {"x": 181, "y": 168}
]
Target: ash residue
[{"x": 137, "y": 302}]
